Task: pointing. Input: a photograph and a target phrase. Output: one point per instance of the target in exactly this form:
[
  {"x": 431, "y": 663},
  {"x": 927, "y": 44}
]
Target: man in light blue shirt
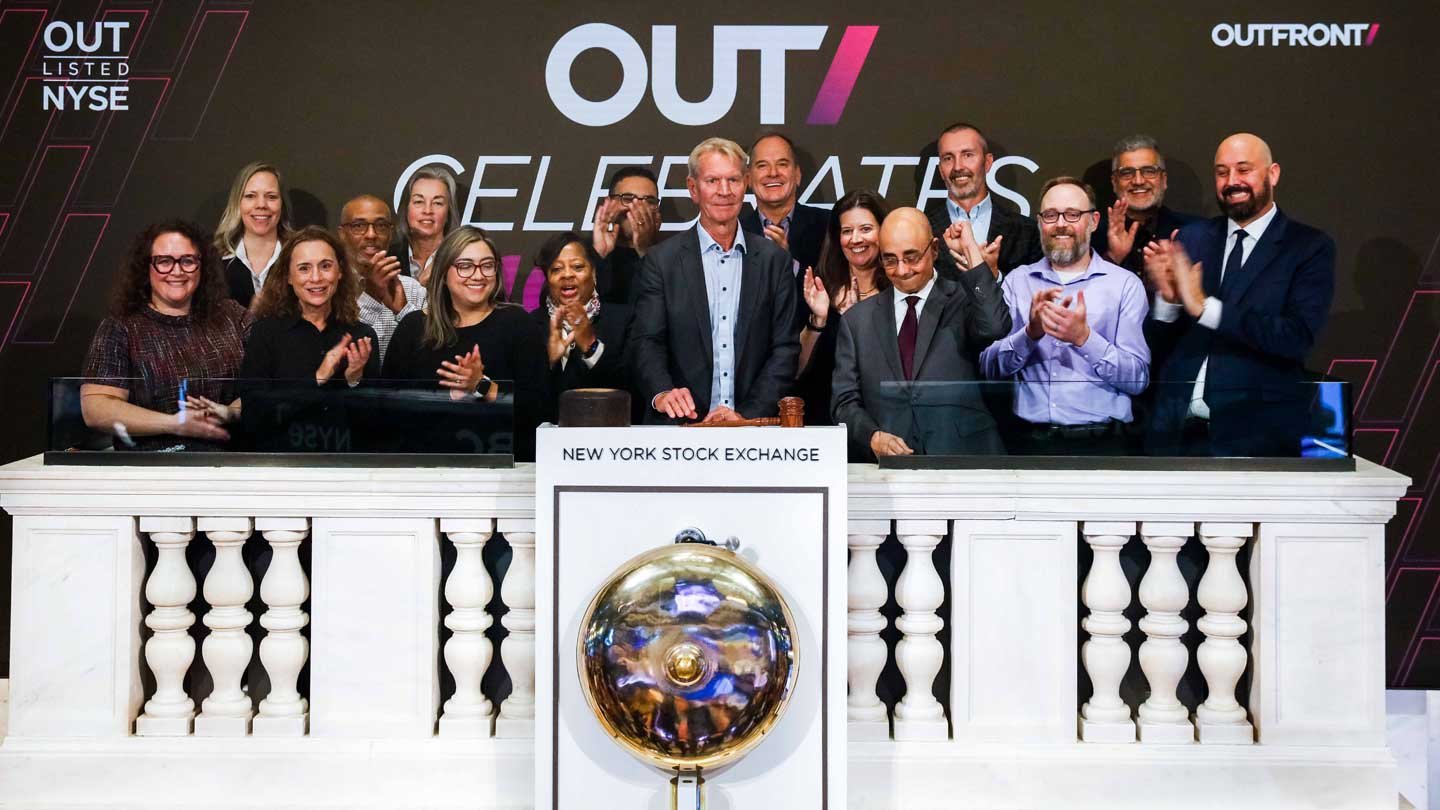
[
  {"x": 715, "y": 334},
  {"x": 1077, "y": 347}
]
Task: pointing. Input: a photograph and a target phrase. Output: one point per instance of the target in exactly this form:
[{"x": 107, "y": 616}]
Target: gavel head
[{"x": 792, "y": 412}]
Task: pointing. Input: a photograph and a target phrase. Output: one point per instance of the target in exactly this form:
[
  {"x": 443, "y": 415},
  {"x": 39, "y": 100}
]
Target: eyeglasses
[
  {"x": 1128, "y": 173},
  {"x": 629, "y": 198},
  {"x": 890, "y": 261},
  {"x": 1050, "y": 217},
  {"x": 189, "y": 263},
  {"x": 358, "y": 227},
  {"x": 464, "y": 268}
]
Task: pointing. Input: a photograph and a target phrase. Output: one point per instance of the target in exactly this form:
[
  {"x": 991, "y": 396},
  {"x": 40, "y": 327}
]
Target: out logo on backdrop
[
  {"x": 1317, "y": 35},
  {"x": 658, "y": 72},
  {"x": 84, "y": 68}
]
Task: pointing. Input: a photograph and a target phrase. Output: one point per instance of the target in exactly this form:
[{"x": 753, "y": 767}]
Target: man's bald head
[
  {"x": 1245, "y": 177},
  {"x": 365, "y": 228},
  {"x": 907, "y": 249}
]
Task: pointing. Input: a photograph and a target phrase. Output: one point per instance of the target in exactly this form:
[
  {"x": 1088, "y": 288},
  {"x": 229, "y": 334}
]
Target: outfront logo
[
  {"x": 657, "y": 73},
  {"x": 1302, "y": 35},
  {"x": 84, "y": 67}
]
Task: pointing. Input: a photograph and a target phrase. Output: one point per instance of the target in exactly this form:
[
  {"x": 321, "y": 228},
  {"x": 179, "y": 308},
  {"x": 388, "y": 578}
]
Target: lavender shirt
[{"x": 1063, "y": 384}]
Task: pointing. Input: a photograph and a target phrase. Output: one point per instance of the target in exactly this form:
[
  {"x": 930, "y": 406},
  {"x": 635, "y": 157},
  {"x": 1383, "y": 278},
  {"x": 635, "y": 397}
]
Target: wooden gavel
[{"x": 792, "y": 415}]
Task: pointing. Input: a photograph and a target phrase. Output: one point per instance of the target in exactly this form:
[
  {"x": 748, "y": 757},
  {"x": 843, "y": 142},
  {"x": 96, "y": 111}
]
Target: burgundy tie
[{"x": 909, "y": 328}]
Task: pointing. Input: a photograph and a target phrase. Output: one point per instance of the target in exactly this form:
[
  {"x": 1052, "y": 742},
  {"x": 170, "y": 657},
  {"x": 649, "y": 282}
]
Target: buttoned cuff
[
  {"x": 1094, "y": 349},
  {"x": 1162, "y": 310},
  {"x": 1210, "y": 315}
]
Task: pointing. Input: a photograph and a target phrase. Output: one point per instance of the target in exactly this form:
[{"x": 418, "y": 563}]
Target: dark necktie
[
  {"x": 1234, "y": 260},
  {"x": 909, "y": 328}
]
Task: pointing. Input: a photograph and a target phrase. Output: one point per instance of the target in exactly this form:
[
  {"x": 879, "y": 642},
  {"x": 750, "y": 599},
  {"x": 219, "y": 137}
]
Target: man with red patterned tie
[{"x": 905, "y": 367}]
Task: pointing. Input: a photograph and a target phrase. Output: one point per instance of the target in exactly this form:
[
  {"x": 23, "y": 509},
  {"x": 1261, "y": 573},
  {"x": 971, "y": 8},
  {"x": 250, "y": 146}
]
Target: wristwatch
[{"x": 810, "y": 324}]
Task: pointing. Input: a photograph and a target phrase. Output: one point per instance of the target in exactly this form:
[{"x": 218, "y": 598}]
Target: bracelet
[
  {"x": 590, "y": 352},
  {"x": 810, "y": 324}
]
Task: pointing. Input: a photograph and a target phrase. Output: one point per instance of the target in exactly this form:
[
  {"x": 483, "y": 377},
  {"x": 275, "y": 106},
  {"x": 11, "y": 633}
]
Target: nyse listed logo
[
  {"x": 657, "y": 74},
  {"x": 1295, "y": 35},
  {"x": 84, "y": 67}
]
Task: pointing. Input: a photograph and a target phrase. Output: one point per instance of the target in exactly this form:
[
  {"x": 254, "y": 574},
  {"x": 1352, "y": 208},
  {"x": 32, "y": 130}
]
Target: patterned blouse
[{"x": 149, "y": 354}]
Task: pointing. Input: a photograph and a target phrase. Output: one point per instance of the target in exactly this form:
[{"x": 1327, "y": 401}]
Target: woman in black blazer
[{"x": 585, "y": 342}]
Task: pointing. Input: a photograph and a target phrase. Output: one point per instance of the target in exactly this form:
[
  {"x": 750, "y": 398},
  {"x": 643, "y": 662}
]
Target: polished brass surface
[{"x": 688, "y": 656}]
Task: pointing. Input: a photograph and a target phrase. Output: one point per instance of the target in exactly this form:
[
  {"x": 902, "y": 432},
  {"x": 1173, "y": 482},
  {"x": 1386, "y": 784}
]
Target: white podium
[{"x": 604, "y": 495}]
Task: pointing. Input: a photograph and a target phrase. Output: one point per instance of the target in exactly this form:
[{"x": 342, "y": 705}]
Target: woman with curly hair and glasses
[{"x": 172, "y": 334}]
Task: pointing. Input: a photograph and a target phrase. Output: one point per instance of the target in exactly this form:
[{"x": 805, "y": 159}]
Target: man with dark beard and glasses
[
  {"x": 1077, "y": 346},
  {"x": 1007, "y": 238},
  {"x": 1139, "y": 214},
  {"x": 1239, "y": 302}
]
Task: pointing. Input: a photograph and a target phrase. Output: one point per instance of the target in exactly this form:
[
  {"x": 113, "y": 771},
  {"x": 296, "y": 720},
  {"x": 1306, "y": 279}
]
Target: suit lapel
[
  {"x": 884, "y": 323},
  {"x": 751, "y": 289},
  {"x": 1216, "y": 258},
  {"x": 1235, "y": 284},
  {"x": 929, "y": 321},
  {"x": 694, "y": 282}
]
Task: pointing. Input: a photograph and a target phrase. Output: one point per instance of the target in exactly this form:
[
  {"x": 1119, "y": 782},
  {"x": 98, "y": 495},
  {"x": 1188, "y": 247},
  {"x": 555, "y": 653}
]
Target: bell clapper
[{"x": 687, "y": 790}]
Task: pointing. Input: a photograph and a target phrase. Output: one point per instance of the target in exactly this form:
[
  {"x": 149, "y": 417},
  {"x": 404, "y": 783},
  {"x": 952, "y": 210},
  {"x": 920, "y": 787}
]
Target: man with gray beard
[{"x": 1077, "y": 347}]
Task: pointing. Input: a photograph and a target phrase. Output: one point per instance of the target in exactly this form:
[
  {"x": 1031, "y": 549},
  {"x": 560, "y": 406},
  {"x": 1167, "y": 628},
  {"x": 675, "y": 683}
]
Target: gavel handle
[{"x": 764, "y": 421}]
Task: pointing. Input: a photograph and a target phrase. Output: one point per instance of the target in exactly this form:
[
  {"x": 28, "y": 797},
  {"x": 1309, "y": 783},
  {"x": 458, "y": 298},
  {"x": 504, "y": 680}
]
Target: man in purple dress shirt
[{"x": 1076, "y": 350}]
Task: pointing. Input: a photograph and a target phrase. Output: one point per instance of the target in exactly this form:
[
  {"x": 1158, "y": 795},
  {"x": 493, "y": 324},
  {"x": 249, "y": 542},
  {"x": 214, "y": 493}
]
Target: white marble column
[
  {"x": 868, "y": 718},
  {"x": 468, "y": 652},
  {"x": 1106, "y": 594},
  {"x": 517, "y": 652},
  {"x": 920, "y": 592},
  {"x": 228, "y": 587},
  {"x": 1221, "y": 719},
  {"x": 170, "y": 651},
  {"x": 284, "y": 588},
  {"x": 1163, "y": 718}
]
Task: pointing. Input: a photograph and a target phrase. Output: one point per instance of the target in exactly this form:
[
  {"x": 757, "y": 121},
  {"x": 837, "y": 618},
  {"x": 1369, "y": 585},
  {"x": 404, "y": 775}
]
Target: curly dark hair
[
  {"x": 276, "y": 298},
  {"x": 132, "y": 286}
]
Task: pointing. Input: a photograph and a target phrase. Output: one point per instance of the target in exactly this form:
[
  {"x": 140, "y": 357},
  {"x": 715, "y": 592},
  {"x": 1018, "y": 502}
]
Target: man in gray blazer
[
  {"x": 714, "y": 335},
  {"x": 898, "y": 350}
]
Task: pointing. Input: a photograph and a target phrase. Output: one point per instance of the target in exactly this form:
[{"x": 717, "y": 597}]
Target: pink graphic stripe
[
  {"x": 19, "y": 305},
  {"x": 1370, "y": 37},
  {"x": 844, "y": 70}
]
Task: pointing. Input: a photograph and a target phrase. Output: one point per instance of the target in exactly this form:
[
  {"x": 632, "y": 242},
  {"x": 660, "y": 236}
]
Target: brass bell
[{"x": 688, "y": 657}]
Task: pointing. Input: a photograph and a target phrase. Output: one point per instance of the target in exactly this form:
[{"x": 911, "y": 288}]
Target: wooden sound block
[{"x": 594, "y": 407}]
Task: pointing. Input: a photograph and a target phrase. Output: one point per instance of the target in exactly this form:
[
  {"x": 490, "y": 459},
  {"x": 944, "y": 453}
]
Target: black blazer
[
  {"x": 1274, "y": 309},
  {"x": 612, "y": 327},
  {"x": 807, "y": 234},
  {"x": 239, "y": 281},
  {"x": 1021, "y": 244},
  {"x": 1166, "y": 223},
  {"x": 670, "y": 343},
  {"x": 959, "y": 320}
]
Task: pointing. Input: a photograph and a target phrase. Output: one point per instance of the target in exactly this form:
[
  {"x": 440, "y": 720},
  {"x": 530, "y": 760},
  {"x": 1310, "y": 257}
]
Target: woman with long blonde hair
[{"x": 255, "y": 222}]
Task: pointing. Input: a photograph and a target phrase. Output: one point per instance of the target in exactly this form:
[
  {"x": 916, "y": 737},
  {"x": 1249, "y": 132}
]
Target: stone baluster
[
  {"x": 468, "y": 652},
  {"x": 283, "y": 651},
  {"x": 170, "y": 651},
  {"x": 1221, "y": 719},
  {"x": 868, "y": 719},
  {"x": 227, "y": 589},
  {"x": 1163, "y": 718},
  {"x": 1106, "y": 594},
  {"x": 517, "y": 712},
  {"x": 920, "y": 592}
]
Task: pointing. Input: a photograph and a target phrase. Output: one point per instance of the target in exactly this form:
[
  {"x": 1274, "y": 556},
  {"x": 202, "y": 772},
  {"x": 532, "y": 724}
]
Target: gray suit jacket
[
  {"x": 670, "y": 342},
  {"x": 960, "y": 318}
]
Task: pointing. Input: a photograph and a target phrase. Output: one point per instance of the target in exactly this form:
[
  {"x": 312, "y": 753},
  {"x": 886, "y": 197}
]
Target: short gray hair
[
  {"x": 432, "y": 172},
  {"x": 1130, "y": 143},
  {"x": 723, "y": 146}
]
